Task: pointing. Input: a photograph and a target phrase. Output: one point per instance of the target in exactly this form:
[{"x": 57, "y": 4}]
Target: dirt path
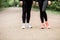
[{"x": 10, "y": 26}]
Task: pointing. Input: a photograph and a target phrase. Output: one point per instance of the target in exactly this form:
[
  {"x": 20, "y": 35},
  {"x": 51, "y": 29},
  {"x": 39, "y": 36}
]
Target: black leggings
[
  {"x": 26, "y": 9},
  {"x": 42, "y": 7}
]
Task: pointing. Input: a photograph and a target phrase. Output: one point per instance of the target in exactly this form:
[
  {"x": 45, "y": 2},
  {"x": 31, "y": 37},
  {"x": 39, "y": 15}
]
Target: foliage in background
[
  {"x": 10, "y": 3},
  {"x": 3, "y": 3},
  {"x": 55, "y": 5}
]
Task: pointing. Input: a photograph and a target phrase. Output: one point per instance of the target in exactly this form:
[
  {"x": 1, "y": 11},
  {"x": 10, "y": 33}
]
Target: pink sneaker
[
  {"x": 42, "y": 25},
  {"x": 47, "y": 25}
]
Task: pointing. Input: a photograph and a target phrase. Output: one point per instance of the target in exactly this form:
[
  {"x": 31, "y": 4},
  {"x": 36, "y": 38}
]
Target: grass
[
  {"x": 48, "y": 11},
  {"x": 53, "y": 12}
]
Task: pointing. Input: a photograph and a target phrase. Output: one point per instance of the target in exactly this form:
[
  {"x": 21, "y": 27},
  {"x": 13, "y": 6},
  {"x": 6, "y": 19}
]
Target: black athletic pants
[
  {"x": 42, "y": 6},
  {"x": 26, "y": 9}
]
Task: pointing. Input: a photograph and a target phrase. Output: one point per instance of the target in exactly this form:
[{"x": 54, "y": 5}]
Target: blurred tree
[{"x": 3, "y": 3}]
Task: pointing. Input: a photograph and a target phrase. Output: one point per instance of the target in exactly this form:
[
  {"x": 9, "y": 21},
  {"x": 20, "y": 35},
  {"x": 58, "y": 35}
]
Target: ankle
[{"x": 43, "y": 24}]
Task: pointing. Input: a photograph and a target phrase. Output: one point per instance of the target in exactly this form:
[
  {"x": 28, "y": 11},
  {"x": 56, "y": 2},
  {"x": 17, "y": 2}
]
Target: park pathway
[{"x": 10, "y": 26}]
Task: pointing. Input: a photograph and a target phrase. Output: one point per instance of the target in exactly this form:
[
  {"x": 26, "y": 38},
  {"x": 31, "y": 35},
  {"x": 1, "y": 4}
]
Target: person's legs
[
  {"x": 43, "y": 6},
  {"x": 29, "y": 5},
  {"x": 24, "y": 10},
  {"x": 43, "y": 15},
  {"x": 45, "y": 3}
]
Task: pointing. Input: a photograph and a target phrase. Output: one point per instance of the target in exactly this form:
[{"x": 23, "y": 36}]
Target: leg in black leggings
[
  {"x": 43, "y": 5},
  {"x": 26, "y": 11}
]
